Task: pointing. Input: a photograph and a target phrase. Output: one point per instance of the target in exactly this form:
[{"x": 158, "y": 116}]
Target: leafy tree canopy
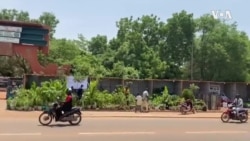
[{"x": 147, "y": 47}]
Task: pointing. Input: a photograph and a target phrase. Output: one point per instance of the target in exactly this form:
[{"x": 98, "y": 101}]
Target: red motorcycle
[{"x": 230, "y": 113}]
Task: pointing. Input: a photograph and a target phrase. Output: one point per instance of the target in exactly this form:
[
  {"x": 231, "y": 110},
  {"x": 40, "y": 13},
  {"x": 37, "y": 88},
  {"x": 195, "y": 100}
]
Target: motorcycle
[
  {"x": 74, "y": 116},
  {"x": 230, "y": 113},
  {"x": 184, "y": 109}
]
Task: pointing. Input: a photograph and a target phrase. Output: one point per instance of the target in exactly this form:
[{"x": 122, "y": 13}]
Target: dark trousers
[
  {"x": 59, "y": 113},
  {"x": 79, "y": 96},
  {"x": 59, "y": 110}
]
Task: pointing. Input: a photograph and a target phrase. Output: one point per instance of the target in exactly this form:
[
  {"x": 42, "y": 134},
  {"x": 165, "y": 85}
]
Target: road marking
[
  {"x": 117, "y": 133},
  {"x": 216, "y": 132},
  {"x": 20, "y": 134}
]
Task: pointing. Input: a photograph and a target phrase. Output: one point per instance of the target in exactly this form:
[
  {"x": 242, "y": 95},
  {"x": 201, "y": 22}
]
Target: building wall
[{"x": 34, "y": 37}]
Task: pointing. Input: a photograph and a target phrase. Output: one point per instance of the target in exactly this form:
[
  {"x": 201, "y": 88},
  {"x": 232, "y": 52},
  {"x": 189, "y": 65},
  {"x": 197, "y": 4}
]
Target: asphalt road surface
[{"x": 121, "y": 129}]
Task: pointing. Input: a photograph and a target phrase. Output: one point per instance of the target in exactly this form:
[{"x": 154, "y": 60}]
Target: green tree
[
  {"x": 178, "y": 44},
  {"x": 63, "y": 51},
  {"x": 88, "y": 65},
  {"x": 98, "y": 45},
  {"x": 50, "y": 20},
  {"x": 82, "y": 43},
  {"x": 121, "y": 71},
  {"x": 14, "y": 15},
  {"x": 135, "y": 46},
  {"x": 223, "y": 51}
]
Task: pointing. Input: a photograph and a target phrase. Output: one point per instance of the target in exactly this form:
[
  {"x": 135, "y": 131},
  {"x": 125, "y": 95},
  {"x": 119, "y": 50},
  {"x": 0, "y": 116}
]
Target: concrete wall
[
  {"x": 176, "y": 86},
  {"x": 207, "y": 90}
]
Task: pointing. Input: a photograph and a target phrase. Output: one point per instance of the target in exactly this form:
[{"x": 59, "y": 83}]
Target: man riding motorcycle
[
  {"x": 188, "y": 105},
  {"x": 238, "y": 102},
  {"x": 66, "y": 106}
]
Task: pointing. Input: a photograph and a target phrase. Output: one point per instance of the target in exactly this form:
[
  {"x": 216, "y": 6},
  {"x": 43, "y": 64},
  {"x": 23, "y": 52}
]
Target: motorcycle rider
[
  {"x": 189, "y": 103},
  {"x": 66, "y": 106},
  {"x": 238, "y": 102}
]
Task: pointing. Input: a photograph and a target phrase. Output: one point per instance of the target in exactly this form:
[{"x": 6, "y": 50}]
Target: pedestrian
[
  {"x": 138, "y": 106},
  {"x": 145, "y": 98},
  {"x": 126, "y": 91},
  {"x": 72, "y": 90},
  {"x": 80, "y": 92}
]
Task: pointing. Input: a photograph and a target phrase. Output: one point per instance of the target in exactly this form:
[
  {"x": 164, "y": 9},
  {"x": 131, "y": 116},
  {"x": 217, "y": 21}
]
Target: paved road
[{"x": 122, "y": 129}]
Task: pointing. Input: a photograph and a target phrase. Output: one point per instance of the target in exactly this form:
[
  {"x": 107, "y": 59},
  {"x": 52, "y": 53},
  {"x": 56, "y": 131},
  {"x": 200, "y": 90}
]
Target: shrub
[
  {"x": 37, "y": 96},
  {"x": 89, "y": 98},
  {"x": 188, "y": 94},
  {"x": 121, "y": 99},
  {"x": 200, "y": 105},
  {"x": 93, "y": 98},
  {"x": 160, "y": 99},
  {"x": 175, "y": 100},
  {"x": 103, "y": 99}
]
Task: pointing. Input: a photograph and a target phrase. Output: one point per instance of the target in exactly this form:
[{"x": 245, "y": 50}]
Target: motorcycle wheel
[
  {"x": 183, "y": 111},
  {"x": 46, "y": 117},
  {"x": 225, "y": 117},
  {"x": 243, "y": 118},
  {"x": 78, "y": 121}
]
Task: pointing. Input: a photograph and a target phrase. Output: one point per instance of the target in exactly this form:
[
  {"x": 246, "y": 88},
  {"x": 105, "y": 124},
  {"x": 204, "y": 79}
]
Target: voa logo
[{"x": 218, "y": 14}]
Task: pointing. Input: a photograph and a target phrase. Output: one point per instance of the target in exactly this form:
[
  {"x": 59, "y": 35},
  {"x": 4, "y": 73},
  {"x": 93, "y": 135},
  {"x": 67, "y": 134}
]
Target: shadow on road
[
  {"x": 186, "y": 114},
  {"x": 236, "y": 122},
  {"x": 59, "y": 125}
]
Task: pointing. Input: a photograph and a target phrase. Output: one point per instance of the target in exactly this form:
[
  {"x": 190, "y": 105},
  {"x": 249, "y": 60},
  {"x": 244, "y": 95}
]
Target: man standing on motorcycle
[
  {"x": 66, "y": 106},
  {"x": 238, "y": 102}
]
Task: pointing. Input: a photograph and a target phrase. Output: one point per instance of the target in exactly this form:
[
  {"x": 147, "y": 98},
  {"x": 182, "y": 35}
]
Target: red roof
[{"x": 17, "y": 23}]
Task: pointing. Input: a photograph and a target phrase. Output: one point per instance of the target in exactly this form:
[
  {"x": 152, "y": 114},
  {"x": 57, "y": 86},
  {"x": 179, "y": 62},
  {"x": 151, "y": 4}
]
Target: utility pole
[{"x": 192, "y": 61}]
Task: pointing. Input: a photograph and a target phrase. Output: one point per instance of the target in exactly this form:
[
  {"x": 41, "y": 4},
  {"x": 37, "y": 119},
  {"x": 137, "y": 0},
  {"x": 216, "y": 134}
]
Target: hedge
[{"x": 37, "y": 98}]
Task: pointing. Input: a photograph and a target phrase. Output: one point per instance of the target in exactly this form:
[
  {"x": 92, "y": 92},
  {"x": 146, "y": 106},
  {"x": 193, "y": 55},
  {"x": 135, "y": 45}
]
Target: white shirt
[
  {"x": 238, "y": 102},
  {"x": 145, "y": 95},
  {"x": 138, "y": 100}
]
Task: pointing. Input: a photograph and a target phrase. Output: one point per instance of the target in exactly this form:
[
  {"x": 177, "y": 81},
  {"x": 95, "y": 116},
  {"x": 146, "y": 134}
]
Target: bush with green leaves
[
  {"x": 188, "y": 94},
  {"x": 166, "y": 100},
  {"x": 93, "y": 98},
  {"x": 161, "y": 99},
  {"x": 200, "y": 105},
  {"x": 37, "y": 96},
  {"x": 173, "y": 101},
  {"x": 120, "y": 99}
]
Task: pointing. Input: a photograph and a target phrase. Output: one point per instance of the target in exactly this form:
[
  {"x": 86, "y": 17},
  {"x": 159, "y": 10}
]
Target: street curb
[
  {"x": 130, "y": 116},
  {"x": 166, "y": 111},
  {"x": 149, "y": 117},
  {"x": 122, "y": 117}
]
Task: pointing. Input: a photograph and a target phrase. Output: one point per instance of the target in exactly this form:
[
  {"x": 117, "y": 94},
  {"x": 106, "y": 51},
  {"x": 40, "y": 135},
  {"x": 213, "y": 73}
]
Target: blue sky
[{"x": 92, "y": 17}]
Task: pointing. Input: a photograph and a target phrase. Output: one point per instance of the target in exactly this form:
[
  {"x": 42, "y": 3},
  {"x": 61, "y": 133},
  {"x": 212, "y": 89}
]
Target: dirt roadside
[
  {"x": 102, "y": 114},
  {"x": 2, "y": 95}
]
